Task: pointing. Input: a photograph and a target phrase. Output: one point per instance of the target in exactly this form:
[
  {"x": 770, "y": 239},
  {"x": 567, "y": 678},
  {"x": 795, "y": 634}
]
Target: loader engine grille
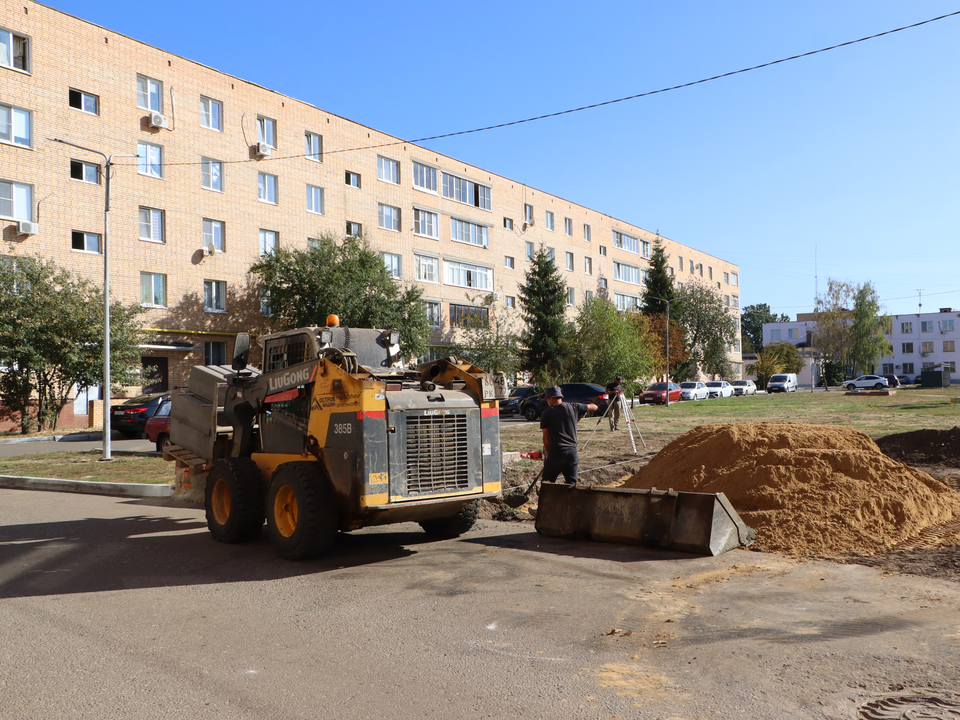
[{"x": 436, "y": 454}]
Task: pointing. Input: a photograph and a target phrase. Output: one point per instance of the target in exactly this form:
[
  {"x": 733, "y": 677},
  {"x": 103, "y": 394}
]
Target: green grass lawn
[{"x": 87, "y": 466}]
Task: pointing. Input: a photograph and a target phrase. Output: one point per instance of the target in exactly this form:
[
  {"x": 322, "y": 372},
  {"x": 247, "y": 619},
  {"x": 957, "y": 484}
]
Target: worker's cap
[
  {"x": 619, "y": 379},
  {"x": 553, "y": 391}
]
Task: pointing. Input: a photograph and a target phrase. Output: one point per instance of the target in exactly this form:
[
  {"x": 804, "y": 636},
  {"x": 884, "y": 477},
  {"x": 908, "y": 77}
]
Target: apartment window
[
  {"x": 736, "y": 301},
  {"x": 774, "y": 335},
  {"x": 86, "y": 242},
  {"x": 426, "y": 268},
  {"x": 571, "y": 296},
  {"x": 626, "y": 242},
  {"x": 906, "y": 348},
  {"x": 700, "y": 268},
  {"x": 267, "y": 188},
  {"x": 150, "y": 159},
  {"x": 465, "y": 191},
  {"x": 352, "y": 179},
  {"x": 549, "y": 220},
  {"x": 354, "y": 229},
  {"x": 84, "y": 171},
  {"x": 388, "y": 170},
  {"x": 467, "y": 316},
  {"x": 426, "y": 223},
  {"x": 214, "y": 353},
  {"x": 948, "y": 346},
  {"x": 569, "y": 259},
  {"x": 153, "y": 290},
  {"x": 588, "y": 266},
  {"x": 626, "y": 303},
  {"x": 425, "y": 178},
  {"x": 926, "y": 366},
  {"x": 602, "y": 283},
  {"x": 151, "y": 224},
  {"x": 888, "y": 368},
  {"x": 793, "y": 333},
  {"x": 211, "y": 114},
  {"x": 906, "y": 328},
  {"x": 15, "y": 124},
  {"x": 680, "y": 262},
  {"x": 388, "y": 217},
  {"x": 734, "y": 279},
  {"x": 510, "y": 301},
  {"x": 710, "y": 273},
  {"x": 726, "y": 278},
  {"x": 433, "y": 312},
  {"x": 908, "y": 368},
  {"x": 467, "y": 232},
  {"x": 269, "y": 240},
  {"x": 528, "y": 214},
  {"x": 469, "y": 276},
  {"x": 80, "y": 100},
  {"x": 529, "y": 250},
  {"x": 586, "y": 232},
  {"x": 508, "y": 223},
  {"x": 946, "y": 326},
  {"x": 267, "y": 131},
  {"x": 213, "y": 234},
  {"x": 149, "y": 94},
  {"x": 645, "y": 275},
  {"x": 14, "y": 51},
  {"x": 568, "y": 227},
  {"x": 926, "y": 347},
  {"x": 393, "y": 263},
  {"x": 691, "y": 266},
  {"x": 508, "y": 262},
  {"x": 645, "y": 249},
  {"x": 16, "y": 200},
  {"x": 313, "y": 243},
  {"x": 265, "y": 309},
  {"x": 926, "y": 326},
  {"x": 211, "y": 174},
  {"x": 551, "y": 253},
  {"x": 670, "y": 271},
  {"x": 626, "y": 273},
  {"x": 603, "y": 250},
  {"x": 214, "y": 296},
  {"x": 313, "y": 146},
  {"x": 315, "y": 199}
]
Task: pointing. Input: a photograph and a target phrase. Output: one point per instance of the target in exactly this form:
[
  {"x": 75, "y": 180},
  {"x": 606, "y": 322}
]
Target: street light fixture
[
  {"x": 105, "y": 390},
  {"x": 679, "y": 297}
]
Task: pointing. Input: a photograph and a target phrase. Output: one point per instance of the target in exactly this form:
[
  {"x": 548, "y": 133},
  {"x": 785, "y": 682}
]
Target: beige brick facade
[{"x": 65, "y": 53}]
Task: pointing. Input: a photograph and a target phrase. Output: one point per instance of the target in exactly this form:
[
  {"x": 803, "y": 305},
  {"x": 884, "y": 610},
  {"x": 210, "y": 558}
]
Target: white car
[
  {"x": 744, "y": 387},
  {"x": 693, "y": 391},
  {"x": 874, "y": 382},
  {"x": 720, "y": 389}
]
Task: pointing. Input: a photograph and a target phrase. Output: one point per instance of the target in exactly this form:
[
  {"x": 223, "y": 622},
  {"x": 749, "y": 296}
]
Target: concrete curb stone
[{"x": 84, "y": 487}]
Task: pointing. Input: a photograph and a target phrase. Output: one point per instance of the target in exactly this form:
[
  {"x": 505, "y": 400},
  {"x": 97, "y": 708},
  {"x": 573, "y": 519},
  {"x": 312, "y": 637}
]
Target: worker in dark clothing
[
  {"x": 614, "y": 391},
  {"x": 559, "y": 425}
]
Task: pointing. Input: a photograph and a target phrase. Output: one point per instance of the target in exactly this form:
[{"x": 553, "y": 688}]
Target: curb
[{"x": 87, "y": 488}]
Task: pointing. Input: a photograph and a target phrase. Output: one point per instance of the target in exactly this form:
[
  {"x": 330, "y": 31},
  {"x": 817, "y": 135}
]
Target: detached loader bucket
[{"x": 689, "y": 522}]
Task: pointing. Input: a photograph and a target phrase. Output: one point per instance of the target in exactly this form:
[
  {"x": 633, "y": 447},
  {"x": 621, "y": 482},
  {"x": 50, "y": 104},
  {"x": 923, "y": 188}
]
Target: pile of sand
[{"x": 805, "y": 489}]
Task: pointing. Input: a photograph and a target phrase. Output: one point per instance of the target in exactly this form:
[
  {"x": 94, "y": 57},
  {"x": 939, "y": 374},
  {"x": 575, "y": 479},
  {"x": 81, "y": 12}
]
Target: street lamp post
[
  {"x": 679, "y": 297},
  {"x": 105, "y": 390}
]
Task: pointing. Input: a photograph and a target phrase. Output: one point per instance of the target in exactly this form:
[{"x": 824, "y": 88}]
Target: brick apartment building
[{"x": 227, "y": 165}]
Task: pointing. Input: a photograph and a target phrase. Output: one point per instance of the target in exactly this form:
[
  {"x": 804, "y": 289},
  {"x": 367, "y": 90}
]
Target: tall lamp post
[
  {"x": 105, "y": 390},
  {"x": 664, "y": 300}
]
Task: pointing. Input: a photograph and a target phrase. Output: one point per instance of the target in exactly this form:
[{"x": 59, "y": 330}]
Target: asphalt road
[{"x": 127, "y": 609}]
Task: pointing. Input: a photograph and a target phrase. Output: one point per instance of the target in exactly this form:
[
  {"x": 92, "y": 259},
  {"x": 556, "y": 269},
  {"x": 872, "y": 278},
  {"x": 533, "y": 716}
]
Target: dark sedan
[
  {"x": 130, "y": 417},
  {"x": 572, "y": 392},
  {"x": 511, "y": 405}
]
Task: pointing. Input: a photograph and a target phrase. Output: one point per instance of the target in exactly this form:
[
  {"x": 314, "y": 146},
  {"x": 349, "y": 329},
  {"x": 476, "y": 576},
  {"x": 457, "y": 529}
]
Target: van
[{"x": 782, "y": 382}]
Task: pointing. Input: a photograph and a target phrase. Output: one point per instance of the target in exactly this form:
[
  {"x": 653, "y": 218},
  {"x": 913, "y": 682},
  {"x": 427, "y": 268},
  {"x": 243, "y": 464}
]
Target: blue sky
[{"x": 844, "y": 165}]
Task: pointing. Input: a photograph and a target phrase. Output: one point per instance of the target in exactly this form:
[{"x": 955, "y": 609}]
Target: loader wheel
[
  {"x": 302, "y": 517},
  {"x": 234, "y": 500},
  {"x": 455, "y": 525}
]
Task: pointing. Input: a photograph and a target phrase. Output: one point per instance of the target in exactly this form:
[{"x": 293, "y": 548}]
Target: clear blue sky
[{"x": 854, "y": 152}]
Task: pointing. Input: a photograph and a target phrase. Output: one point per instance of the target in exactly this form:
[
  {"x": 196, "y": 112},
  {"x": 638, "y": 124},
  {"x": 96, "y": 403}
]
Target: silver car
[
  {"x": 744, "y": 387},
  {"x": 693, "y": 391}
]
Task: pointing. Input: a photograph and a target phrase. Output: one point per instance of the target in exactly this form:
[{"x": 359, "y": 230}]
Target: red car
[
  {"x": 657, "y": 393},
  {"x": 157, "y": 429}
]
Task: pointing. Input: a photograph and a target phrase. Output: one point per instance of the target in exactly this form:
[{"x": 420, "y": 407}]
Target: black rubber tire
[
  {"x": 530, "y": 413},
  {"x": 162, "y": 441},
  {"x": 851, "y": 387},
  {"x": 878, "y": 386},
  {"x": 233, "y": 500},
  {"x": 302, "y": 516},
  {"x": 455, "y": 525}
]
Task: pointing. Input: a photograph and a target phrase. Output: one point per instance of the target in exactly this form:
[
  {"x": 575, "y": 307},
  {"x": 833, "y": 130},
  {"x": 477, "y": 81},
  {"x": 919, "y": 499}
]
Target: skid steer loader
[{"x": 335, "y": 434}]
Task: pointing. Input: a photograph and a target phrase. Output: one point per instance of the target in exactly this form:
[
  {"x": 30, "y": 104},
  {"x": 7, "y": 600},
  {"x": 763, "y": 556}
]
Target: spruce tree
[
  {"x": 659, "y": 284},
  {"x": 543, "y": 298}
]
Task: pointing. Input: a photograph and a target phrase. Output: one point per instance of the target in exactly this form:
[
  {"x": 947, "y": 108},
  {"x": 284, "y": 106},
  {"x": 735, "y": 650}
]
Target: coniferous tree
[
  {"x": 659, "y": 284},
  {"x": 543, "y": 298}
]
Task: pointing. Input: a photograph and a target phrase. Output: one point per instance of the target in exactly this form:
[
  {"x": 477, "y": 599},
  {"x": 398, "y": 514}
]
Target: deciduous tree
[
  {"x": 489, "y": 339},
  {"x": 751, "y": 325},
  {"x": 710, "y": 328}
]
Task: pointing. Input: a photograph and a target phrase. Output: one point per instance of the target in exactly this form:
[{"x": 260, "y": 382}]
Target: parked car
[
  {"x": 511, "y": 405},
  {"x": 904, "y": 379},
  {"x": 875, "y": 382},
  {"x": 657, "y": 393},
  {"x": 782, "y": 382},
  {"x": 693, "y": 391},
  {"x": 157, "y": 428},
  {"x": 531, "y": 407},
  {"x": 744, "y": 387},
  {"x": 892, "y": 380},
  {"x": 720, "y": 389},
  {"x": 130, "y": 417}
]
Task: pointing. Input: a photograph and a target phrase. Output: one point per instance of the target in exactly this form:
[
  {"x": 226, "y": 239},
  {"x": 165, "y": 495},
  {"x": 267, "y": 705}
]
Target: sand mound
[
  {"x": 924, "y": 447},
  {"x": 805, "y": 489}
]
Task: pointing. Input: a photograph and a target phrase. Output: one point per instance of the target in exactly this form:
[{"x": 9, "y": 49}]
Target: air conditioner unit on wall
[
  {"x": 158, "y": 120},
  {"x": 28, "y": 228},
  {"x": 262, "y": 149},
  {"x": 496, "y": 296}
]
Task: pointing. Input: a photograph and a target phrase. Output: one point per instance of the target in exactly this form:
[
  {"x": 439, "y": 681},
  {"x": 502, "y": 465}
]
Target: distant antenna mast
[
  {"x": 919, "y": 301},
  {"x": 816, "y": 285}
]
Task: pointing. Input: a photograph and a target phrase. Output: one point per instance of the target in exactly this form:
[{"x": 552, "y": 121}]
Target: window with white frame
[
  {"x": 588, "y": 295},
  {"x": 645, "y": 276},
  {"x": 926, "y": 347},
  {"x": 269, "y": 240},
  {"x": 508, "y": 262},
  {"x": 946, "y": 326},
  {"x": 691, "y": 266},
  {"x": 510, "y": 301},
  {"x": 153, "y": 290},
  {"x": 267, "y": 131},
  {"x": 211, "y": 174},
  {"x": 528, "y": 214},
  {"x": 569, "y": 259},
  {"x": 468, "y": 316},
  {"x": 586, "y": 232},
  {"x": 80, "y": 100},
  {"x": 468, "y": 276},
  {"x": 568, "y": 227},
  {"x": 433, "y": 312},
  {"x": 626, "y": 242},
  {"x": 626, "y": 273},
  {"x": 14, "y": 51},
  {"x": 726, "y": 278},
  {"x": 215, "y": 295},
  {"x": 508, "y": 223},
  {"x": 736, "y": 301},
  {"x": 388, "y": 170},
  {"x": 149, "y": 94},
  {"x": 603, "y": 250},
  {"x": 626, "y": 303},
  {"x": 150, "y": 159},
  {"x": 425, "y": 178},
  {"x": 393, "y": 263},
  {"x": 571, "y": 296},
  {"x": 927, "y": 366},
  {"x": 774, "y": 335},
  {"x": 645, "y": 248},
  {"x": 354, "y": 229},
  {"x": 388, "y": 217},
  {"x": 588, "y": 266},
  {"x": 85, "y": 172},
  {"x": 548, "y": 217},
  {"x": 313, "y": 243},
  {"x": 888, "y": 368},
  {"x": 267, "y": 188},
  {"x": 211, "y": 114},
  {"x": 529, "y": 250},
  {"x": 906, "y": 348},
  {"x": 734, "y": 279},
  {"x": 602, "y": 282},
  {"x": 793, "y": 333},
  {"x": 726, "y": 302},
  {"x": 950, "y": 365},
  {"x": 15, "y": 126},
  {"x": 315, "y": 199},
  {"x": 465, "y": 191},
  {"x": 265, "y": 309},
  {"x": 926, "y": 326},
  {"x": 908, "y": 367},
  {"x": 468, "y": 232},
  {"x": 313, "y": 146},
  {"x": 85, "y": 241},
  {"x": 551, "y": 253},
  {"x": 670, "y": 270},
  {"x": 680, "y": 261},
  {"x": 906, "y": 328},
  {"x": 151, "y": 225},
  {"x": 426, "y": 224},
  {"x": 426, "y": 268},
  {"x": 351, "y": 178},
  {"x": 213, "y": 234}
]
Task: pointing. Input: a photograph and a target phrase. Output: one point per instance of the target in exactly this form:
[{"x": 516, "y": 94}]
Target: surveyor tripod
[{"x": 626, "y": 413}]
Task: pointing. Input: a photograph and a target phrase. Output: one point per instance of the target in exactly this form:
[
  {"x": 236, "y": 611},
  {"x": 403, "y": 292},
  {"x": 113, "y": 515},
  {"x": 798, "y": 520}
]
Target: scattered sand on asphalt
[{"x": 805, "y": 489}]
